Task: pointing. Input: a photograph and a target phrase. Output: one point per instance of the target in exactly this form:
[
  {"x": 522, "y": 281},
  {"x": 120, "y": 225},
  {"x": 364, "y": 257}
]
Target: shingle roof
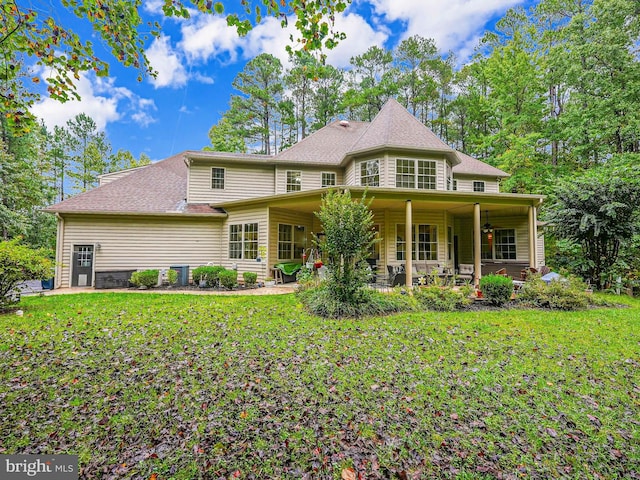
[
  {"x": 327, "y": 146},
  {"x": 471, "y": 166},
  {"x": 159, "y": 188},
  {"x": 394, "y": 126}
]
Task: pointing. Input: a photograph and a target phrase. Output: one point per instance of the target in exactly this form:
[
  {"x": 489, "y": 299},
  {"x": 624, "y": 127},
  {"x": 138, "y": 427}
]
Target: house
[{"x": 250, "y": 212}]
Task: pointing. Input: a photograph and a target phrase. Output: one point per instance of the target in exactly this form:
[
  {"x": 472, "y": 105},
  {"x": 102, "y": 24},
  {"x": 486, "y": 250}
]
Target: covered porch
[{"x": 488, "y": 231}]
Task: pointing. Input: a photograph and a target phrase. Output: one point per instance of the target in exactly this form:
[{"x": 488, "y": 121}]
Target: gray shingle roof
[
  {"x": 471, "y": 166},
  {"x": 159, "y": 188}
]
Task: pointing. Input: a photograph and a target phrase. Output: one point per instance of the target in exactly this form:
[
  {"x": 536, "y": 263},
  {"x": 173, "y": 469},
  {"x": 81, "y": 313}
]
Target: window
[
  {"x": 412, "y": 173},
  {"x": 292, "y": 240},
  {"x": 478, "y": 186},
  {"x": 328, "y": 179},
  {"x": 217, "y": 178},
  {"x": 449, "y": 177},
  {"x": 427, "y": 174},
  {"x": 374, "y": 252},
  {"x": 505, "y": 244},
  {"x": 294, "y": 181},
  {"x": 426, "y": 246},
  {"x": 405, "y": 173},
  {"x": 370, "y": 173},
  {"x": 243, "y": 241},
  {"x": 450, "y": 244},
  {"x": 455, "y": 184}
]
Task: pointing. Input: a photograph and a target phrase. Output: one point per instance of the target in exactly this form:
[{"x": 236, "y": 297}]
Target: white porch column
[
  {"x": 533, "y": 237},
  {"x": 477, "y": 246},
  {"x": 409, "y": 245}
]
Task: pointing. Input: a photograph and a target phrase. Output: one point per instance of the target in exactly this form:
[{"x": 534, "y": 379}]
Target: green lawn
[{"x": 253, "y": 387}]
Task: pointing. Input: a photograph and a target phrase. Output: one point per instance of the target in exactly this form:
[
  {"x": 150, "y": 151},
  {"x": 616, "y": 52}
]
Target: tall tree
[
  {"x": 90, "y": 152},
  {"x": 327, "y": 92}
]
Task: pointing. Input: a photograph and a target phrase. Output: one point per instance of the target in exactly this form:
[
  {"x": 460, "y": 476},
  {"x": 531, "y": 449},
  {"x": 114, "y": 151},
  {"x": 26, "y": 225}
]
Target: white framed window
[
  {"x": 217, "y": 178},
  {"x": 505, "y": 244},
  {"x": 328, "y": 179},
  {"x": 450, "y": 244},
  {"x": 405, "y": 173},
  {"x": 243, "y": 241},
  {"x": 427, "y": 174},
  {"x": 292, "y": 240},
  {"x": 478, "y": 186},
  {"x": 449, "y": 177},
  {"x": 370, "y": 173},
  {"x": 411, "y": 173},
  {"x": 294, "y": 181},
  {"x": 425, "y": 242},
  {"x": 455, "y": 184}
]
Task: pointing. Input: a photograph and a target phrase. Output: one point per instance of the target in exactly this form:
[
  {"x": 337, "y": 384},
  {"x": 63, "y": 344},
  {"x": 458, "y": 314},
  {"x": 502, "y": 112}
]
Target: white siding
[
  {"x": 252, "y": 215},
  {"x": 311, "y": 177},
  {"x": 465, "y": 184},
  {"x": 350, "y": 174},
  {"x": 540, "y": 254},
  {"x": 240, "y": 182},
  {"x": 141, "y": 243}
]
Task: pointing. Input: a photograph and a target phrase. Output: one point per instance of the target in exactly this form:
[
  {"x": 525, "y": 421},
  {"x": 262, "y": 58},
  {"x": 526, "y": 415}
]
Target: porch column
[
  {"x": 477, "y": 246},
  {"x": 409, "y": 245},
  {"x": 533, "y": 236}
]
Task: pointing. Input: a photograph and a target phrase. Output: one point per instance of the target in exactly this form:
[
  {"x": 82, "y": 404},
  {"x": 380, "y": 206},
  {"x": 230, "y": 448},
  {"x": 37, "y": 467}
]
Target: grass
[{"x": 253, "y": 387}]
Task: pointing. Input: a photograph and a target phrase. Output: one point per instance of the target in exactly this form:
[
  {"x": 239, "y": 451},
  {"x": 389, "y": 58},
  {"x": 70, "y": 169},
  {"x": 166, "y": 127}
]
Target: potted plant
[{"x": 269, "y": 282}]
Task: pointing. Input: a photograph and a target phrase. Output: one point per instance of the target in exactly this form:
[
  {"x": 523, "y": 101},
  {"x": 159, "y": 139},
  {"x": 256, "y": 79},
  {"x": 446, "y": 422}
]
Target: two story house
[{"x": 249, "y": 212}]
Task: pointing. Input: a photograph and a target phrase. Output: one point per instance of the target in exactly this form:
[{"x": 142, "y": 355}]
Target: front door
[{"x": 82, "y": 266}]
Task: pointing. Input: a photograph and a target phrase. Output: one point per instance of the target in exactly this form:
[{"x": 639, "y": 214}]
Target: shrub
[
  {"x": 441, "y": 299},
  {"x": 145, "y": 278},
  {"x": 497, "y": 289},
  {"x": 322, "y": 302},
  {"x": 17, "y": 264},
  {"x": 206, "y": 273},
  {"x": 250, "y": 278},
  {"x": 228, "y": 278},
  {"x": 305, "y": 279},
  {"x": 569, "y": 294},
  {"x": 172, "y": 276}
]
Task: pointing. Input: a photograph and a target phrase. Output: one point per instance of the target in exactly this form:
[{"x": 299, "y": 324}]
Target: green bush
[
  {"x": 250, "y": 278},
  {"x": 206, "y": 273},
  {"x": 322, "y": 302},
  {"x": 306, "y": 278},
  {"x": 172, "y": 276},
  {"x": 441, "y": 299},
  {"x": 17, "y": 264},
  {"x": 497, "y": 289},
  {"x": 228, "y": 278},
  {"x": 568, "y": 294},
  {"x": 145, "y": 278}
]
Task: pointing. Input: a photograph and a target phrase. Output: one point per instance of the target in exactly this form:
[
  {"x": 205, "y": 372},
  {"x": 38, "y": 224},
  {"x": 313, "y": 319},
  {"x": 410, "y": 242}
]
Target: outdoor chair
[{"x": 465, "y": 272}]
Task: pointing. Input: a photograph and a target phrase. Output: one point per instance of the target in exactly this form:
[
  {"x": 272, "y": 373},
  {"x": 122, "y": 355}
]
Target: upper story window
[
  {"x": 217, "y": 178},
  {"x": 370, "y": 173},
  {"x": 478, "y": 186},
  {"x": 328, "y": 179},
  {"x": 294, "y": 181},
  {"x": 243, "y": 241},
  {"x": 449, "y": 177},
  {"x": 455, "y": 184},
  {"x": 416, "y": 173}
]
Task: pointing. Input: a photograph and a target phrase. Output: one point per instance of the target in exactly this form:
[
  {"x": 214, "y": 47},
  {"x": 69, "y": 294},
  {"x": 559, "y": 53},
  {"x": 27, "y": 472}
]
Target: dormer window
[
  {"x": 370, "y": 173},
  {"x": 478, "y": 186}
]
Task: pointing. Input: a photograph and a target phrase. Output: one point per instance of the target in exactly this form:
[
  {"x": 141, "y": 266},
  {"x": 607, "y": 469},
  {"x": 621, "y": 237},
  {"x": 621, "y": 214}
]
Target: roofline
[
  {"x": 136, "y": 214},
  {"x": 129, "y": 170},
  {"x": 266, "y": 160},
  {"x": 450, "y": 153},
  {"x": 436, "y": 195}
]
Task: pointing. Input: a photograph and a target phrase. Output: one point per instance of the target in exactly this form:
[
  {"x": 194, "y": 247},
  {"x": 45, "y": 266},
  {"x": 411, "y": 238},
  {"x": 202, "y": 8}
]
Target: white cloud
[
  {"x": 101, "y": 99},
  {"x": 167, "y": 62},
  {"x": 453, "y": 24},
  {"x": 207, "y": 37}
]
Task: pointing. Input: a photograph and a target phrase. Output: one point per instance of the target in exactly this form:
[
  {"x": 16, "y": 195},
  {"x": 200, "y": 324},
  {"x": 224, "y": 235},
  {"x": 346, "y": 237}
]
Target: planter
[{"x": 271, "y": 283}]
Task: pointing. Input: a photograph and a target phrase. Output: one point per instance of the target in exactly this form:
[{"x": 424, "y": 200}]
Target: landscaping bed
[{"x": 186, "y": 387}]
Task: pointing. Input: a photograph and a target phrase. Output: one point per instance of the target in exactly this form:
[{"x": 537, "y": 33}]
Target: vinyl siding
[
  {"x": 141, "y": 243},
  {"x": 240, "y": 182},
  {"x": 465, "y": 184},
  {"x": 464, "y": 231},
  {"x": 350, "y": 174},
  {"x": 540, "y": 254},
  {"x": 289, "y": 217},
  {"x": 311, "y": 177},
  {"x": 253, "y": 215}
]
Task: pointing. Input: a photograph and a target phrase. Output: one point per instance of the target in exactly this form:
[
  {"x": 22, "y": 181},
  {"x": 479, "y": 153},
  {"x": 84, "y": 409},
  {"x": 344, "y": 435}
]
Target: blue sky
[{"x": 197, "y": 59}]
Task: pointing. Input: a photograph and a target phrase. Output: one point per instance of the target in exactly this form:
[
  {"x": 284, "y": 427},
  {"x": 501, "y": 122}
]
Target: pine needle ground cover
[{"x": 177, "y": 386}]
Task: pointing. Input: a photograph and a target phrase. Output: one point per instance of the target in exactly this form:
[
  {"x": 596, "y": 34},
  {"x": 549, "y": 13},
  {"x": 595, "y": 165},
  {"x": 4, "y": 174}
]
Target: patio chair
[{"x": 465, "y": 272}]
